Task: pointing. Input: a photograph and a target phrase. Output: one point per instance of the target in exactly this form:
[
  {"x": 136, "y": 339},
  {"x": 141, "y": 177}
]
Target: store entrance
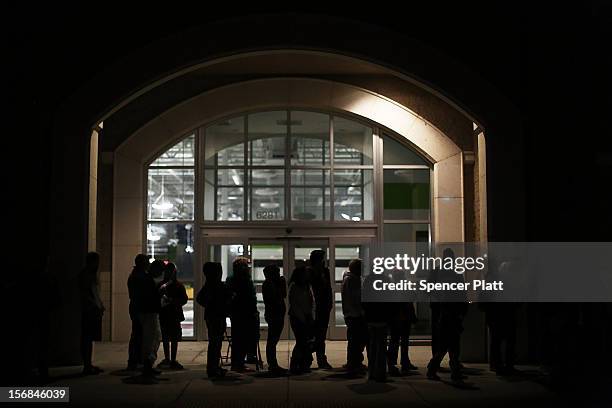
[{"x": 287, "y": 254}]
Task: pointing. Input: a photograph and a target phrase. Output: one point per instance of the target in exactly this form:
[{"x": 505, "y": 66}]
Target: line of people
[
  {"x": 310, "y": 300},
  {"x": 380, "y": 328},
  {"x": 310, "y": 304}
]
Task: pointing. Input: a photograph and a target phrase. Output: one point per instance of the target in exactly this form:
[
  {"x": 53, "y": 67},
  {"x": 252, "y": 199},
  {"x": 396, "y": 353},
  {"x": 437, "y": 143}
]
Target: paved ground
[{"x": 321, "y": 388}]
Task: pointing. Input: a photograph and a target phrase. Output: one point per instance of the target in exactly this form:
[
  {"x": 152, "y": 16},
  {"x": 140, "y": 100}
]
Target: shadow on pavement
[
  {"x": 343, "y": 376},
  {"x": 230, "y": 380},
  {"x": 371, "y": 388}
]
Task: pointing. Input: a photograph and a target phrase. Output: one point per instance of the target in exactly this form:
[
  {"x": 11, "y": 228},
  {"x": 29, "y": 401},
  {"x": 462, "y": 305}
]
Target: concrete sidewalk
[{"x": 321, "y": 388}]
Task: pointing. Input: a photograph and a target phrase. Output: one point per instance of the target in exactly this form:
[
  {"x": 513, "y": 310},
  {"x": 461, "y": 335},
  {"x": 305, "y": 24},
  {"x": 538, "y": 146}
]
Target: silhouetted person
[
  {"x": 173, "y": 298},
  {"x": 91, "y": 311},
  {"x": 216, "y": 298},
  {"x": 149, "y": 306},
  {"x": 243, "y": 312},
  {"x": 253, "y": 343},
  {"x": 323, "y": 297},
  {"x": 274, "y": 294},
  {"x": 354, "y": 316},
  {"x": 377, "y": 318},
  {"x": 402, "y": 317},
  {"x": 301, "y": 318},
  {"x": 141, "y": 263},
  {"x": 501, "y": 320},
  {"x": 449, "y": 326}
]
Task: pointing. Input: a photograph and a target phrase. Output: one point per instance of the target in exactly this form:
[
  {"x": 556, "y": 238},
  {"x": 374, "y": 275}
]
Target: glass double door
[{"x": 287, "y": 254}]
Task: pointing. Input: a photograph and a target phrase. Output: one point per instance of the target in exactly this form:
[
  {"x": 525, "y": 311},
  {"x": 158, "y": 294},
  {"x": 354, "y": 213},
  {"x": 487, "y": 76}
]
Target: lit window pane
[
  {"x": 406, "y": 194},
  {"x": 181, "y": 154},
  {"x": 267, "y": 136},
  {"x": 170, "y": 194},
  {"x": 267, "y": 194},
  {"x": 209, "y": 195},
  {"x": 267, "y": 203},
  {"x": 309, "y": 138},
  {"x": 310, "y": 204},
  {"x": 310, "y": 195},
  {"x": 230, "y": 204},
  {"x": 224, "y": 143},
  {"x": 395, "y": 152},
  {"x": 352, "y": 142},
  {"x": 353, "y": 195},
  {"x": 173, "y": 242}
]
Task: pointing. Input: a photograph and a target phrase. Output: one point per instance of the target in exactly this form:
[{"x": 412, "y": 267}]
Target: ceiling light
[
  {"x": 269, "y": 205},
  {"x": 164, "y": 205},
  {"x": 345, "y": 216},
  {"x": 356, "y": 219}
]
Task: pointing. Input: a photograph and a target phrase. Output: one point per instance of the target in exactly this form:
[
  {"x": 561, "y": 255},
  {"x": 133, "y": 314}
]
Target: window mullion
[
  {"x": 247, "y": 159},
  {"x": 332, "y": 201}
]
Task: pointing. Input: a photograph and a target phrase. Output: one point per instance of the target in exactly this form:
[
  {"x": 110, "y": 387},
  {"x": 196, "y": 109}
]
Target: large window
[
  {"x": 280, "y": 165},
  {"x": 289, "y": 165},
  {"x": 284, "y": 166},
  {"x": 170, "y": 215}
]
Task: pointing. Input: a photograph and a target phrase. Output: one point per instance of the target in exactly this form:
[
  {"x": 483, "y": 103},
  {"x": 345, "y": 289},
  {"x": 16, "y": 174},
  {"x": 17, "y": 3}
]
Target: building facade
[{"x": 274, "y": 150}]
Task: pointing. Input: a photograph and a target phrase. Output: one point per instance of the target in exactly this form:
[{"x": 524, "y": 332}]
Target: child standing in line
[{"x": 173, "y": 298}]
